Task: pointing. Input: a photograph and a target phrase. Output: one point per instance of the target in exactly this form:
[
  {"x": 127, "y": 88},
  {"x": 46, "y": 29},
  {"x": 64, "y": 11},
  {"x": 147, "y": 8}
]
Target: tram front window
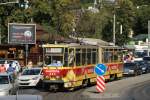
[{"x": 54, "y": 61}]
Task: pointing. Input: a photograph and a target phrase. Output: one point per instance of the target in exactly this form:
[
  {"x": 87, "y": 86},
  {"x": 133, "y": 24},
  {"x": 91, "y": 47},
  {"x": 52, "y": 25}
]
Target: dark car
[
  {"x": 144, "y": 65},
  {"x": 132, "y": 68},
  {"x": 146, "y": 60}
]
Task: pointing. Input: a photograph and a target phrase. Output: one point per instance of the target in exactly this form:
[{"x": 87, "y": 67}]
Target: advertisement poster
[{"x": 21, "y": 33}]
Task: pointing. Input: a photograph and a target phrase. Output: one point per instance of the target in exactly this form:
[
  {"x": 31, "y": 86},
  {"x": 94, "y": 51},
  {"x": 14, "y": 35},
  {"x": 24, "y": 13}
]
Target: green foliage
[
  {"x": 142, "y": 17},
  {"x": 62, "y": 16}
]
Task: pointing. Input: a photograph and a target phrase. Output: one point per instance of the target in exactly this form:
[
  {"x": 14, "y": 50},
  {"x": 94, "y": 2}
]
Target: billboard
[{"x": 21, "y": 33}]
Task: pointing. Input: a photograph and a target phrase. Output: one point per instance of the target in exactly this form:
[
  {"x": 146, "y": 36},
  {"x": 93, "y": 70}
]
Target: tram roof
[
  {"x": 115, "y": 47},
  {"x": 69, "y": 45}
]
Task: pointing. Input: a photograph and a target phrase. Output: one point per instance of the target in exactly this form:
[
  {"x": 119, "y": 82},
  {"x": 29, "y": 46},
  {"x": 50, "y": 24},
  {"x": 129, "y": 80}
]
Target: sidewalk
[{"x": 114, "y": 90}]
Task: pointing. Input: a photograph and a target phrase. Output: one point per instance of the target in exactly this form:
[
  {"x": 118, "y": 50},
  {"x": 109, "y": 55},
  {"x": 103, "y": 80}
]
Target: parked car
[
  {"x": 30, "y": 77},
  {"x": 8, "y": 84},
  {"x": 146, "y": 60},
  {"x": 144, "y": 65},
  {"x": 132, "y": 68}
]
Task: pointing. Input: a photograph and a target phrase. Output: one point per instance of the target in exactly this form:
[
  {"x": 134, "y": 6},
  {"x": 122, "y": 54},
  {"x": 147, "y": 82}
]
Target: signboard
[
  {"x": 53, "y": 50},
  {"x": 100, "y": 69},
  {"x": 21, "y": 33}
]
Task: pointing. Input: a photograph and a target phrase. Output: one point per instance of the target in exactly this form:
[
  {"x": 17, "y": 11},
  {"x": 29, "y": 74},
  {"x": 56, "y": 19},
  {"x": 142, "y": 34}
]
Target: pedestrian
[
  {"x": 2, "y": 68},
  {"x": 30, "y": 65},
  {"x": 11, "y": 69}
]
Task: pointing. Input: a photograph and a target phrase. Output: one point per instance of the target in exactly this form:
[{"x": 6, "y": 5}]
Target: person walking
[{"x": 11, "y": 69}]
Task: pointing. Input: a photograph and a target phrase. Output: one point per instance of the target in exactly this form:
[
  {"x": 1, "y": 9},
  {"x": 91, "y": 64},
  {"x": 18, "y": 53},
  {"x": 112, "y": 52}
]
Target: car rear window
[
  {"x": 146, "y": 58},
  {"x": 128, "y": 65}
]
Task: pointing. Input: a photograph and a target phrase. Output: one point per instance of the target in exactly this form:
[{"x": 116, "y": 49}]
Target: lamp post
[
  {"x": 114, "y": 29},
  {"x": 25, "y": 5}
]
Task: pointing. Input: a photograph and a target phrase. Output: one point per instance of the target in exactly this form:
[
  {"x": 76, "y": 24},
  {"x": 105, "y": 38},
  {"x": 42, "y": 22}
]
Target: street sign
[
  {"x": 100, "y": 87},
  {"x": 100, "y": 69}
]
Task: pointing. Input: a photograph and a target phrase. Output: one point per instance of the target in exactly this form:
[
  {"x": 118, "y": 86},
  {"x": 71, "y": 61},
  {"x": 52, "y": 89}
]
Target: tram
[{"x": 72, "y": 65}]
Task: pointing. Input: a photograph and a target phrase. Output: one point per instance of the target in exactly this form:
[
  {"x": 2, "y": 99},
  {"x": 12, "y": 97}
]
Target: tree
[
  {"x": 125, "y": 15},
  {"x": 142, "y": 17}
]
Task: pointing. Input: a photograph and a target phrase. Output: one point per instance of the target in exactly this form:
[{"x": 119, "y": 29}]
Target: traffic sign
[
  {"x": 100, "y": 87},
  {"x": 100, "y": 69}
]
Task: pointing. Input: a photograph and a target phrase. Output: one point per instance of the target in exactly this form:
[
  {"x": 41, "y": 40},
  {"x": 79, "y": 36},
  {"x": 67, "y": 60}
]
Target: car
[
  {"x": 31, "y": 77},
  {"x": 146, "y": 60},
  {"x": 132, "y": 68},
  {"x": 144, "y": 65},
  {"x": 8, "y": 84}
]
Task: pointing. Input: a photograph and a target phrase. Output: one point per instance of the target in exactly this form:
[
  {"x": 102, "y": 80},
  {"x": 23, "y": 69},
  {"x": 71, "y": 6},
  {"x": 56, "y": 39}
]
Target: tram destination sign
[{"x": 21, "y": 33}]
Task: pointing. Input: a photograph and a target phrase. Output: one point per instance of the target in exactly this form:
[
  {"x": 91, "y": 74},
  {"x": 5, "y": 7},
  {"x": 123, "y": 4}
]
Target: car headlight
[{"x": 35, "y": 78}]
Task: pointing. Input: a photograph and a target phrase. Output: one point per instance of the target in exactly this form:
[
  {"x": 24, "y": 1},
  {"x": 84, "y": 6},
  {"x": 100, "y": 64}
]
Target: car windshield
[
  {"x": 2, "y": 61},
  {"x": 140, "y": 62},
  {"x": 4, "y": 80},
  {"x": 31, "y": 72}
]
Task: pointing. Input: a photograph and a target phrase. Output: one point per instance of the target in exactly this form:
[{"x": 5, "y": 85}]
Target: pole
[
  {"x": 26, "y": 47},
  {"x": 114, "y": 30},
  {"x": 121, "y": 29},
  {"x": 0, "y": 31},
  {"x": 148, "y": 38}
]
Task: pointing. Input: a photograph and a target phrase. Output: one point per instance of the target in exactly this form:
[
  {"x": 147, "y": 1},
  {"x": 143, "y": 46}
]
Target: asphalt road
[
  {"x": 140, "y": 91},
  {"x": 133, "y": 88},
  {"x": 60, "y": 95}
]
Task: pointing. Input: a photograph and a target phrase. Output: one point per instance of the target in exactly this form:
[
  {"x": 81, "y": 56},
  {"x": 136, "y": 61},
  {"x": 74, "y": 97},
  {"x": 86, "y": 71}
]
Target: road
[
  {"x": 133, "y": 88},
  {"x": 138, "y": 92},
  {"x": 60, "y": 95}
]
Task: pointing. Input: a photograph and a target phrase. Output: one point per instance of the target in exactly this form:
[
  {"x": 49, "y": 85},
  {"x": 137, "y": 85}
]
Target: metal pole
[
  {"x": 26, "y": 47},
  {"x": 114, "y": 29},
  {"x": 0, "y": 32},
  {"x": 121, "y": 29},
  {"x": 148, "y": 37}
]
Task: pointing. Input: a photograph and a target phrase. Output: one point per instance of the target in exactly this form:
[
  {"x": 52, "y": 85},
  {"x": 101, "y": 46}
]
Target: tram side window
[
  {"x": 71, "y": 57},
  {"x": 78, "y": 57},
  {"x": 94, "y": 57},
  {"x": 66, "y": 57},
  {"x": 88, "y": 56},
  {"x": 108, "y": 57},
  {"x": 115, "y": 54},
  {"x": 83, "y": 56}
]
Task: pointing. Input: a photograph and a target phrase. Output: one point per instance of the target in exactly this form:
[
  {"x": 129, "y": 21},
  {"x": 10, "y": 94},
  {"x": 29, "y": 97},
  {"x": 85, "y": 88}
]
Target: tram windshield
[{"x": 54, "y": 57}]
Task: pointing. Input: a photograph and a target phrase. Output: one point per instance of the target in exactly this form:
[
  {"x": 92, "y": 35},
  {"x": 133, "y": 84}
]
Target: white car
[
  {"x": 31, "y": 77},
  {"x": 8, "y": 84}
]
